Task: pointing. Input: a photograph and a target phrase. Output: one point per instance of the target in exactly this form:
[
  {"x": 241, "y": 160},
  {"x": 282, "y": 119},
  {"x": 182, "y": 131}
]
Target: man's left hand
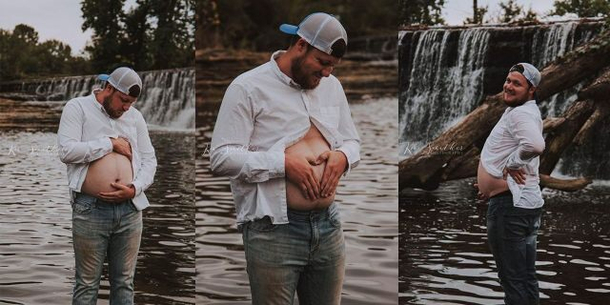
[
  {"x": 336, "y": 164},
  {"x": 517, "y": 174},
  {"x": 122, "y": 193}
]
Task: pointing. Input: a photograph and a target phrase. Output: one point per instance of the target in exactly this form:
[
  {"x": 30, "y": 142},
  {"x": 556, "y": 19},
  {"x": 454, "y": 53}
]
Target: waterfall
[
  {"x": 167, "y": 98},
  {"x": 446, "y": 72},
  {"x": 444, "y": 83}
]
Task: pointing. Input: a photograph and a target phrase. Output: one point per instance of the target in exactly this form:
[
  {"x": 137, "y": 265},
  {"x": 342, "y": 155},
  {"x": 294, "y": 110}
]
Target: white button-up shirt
[
  {"x": 519, "y": 130},
  {"x": 84, "y": 136},
  {"x": 262, "y": 113}
]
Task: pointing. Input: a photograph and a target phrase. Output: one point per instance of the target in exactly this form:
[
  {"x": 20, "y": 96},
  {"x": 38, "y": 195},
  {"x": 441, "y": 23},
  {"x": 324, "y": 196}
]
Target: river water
[
  {"x": 36, "y": 255},
  {"x": 444, "y": 257},
  {"x": 367, "y": 203}
]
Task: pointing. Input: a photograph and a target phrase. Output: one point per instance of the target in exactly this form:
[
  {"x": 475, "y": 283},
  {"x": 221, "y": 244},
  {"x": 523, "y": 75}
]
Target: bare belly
[
  {"x": 488, "y": 184},
  {"x": 112, "y": 167},
  {"x": 311, "y": 146}
]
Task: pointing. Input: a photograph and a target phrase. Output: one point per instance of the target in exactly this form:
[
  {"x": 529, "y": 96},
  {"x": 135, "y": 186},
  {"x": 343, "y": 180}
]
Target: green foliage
[
  {"x": 253, "y": 24},
  {"x": 22, "y": 56},
  {"x": 480, "y": 16},
  {"x": 155, "y": 34},
  {"x": 104, "y": 18},
  {"x": 510, "y": 11},
  {"x": 425, "y": 12},
  {"x": 582, "y": 8}
]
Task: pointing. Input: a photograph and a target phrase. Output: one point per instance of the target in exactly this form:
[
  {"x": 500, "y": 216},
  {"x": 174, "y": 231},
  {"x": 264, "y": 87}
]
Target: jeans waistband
[
  {"x": 98, "y": 200},
  {"x": 296, "y": 215},
  {"x": 506, "y": 193}
]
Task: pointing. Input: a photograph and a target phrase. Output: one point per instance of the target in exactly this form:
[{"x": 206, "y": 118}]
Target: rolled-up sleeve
[
  {"x": 230, "y": 153},
  {"x": 148, "y": 166},
  {"x": 69, "y": 134}
]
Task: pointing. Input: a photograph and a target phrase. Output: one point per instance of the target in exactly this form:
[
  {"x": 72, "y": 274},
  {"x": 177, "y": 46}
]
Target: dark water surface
[
  {"x": 444, "y": 256},
  {"x": 36, "y": 255},
  {"x": 367, "y": 203}
]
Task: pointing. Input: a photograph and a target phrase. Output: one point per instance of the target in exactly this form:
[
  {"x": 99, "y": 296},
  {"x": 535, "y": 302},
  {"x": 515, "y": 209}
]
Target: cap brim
[
  {"x": 289, "y": 29},
  {"x": 103, "y": 77}
]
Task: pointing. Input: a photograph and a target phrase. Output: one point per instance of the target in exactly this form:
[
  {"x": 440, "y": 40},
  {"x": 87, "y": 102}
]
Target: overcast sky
[
  {"x": 52, "y": 19},
  {"x": 61, "y": 19},
  {"x": 456, "y": 11}
]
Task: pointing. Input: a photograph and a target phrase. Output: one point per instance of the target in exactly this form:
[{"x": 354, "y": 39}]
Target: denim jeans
[
  {"x": 512, "y": 233},
  {"x": 306, "y": 255},
  {"x": 103, "y": 230}
]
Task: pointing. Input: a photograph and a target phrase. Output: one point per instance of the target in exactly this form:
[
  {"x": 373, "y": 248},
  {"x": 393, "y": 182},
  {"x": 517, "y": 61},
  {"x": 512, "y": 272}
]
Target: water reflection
[
  {"x": 36, "y": 255},
  {"x": 367, "y": 202},
  {"x": 444, "y": 256}
]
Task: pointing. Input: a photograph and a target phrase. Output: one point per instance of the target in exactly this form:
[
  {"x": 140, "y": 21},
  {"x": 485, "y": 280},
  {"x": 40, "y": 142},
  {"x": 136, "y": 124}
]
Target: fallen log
[
  {"x": 567, "y": 185},
  {"x": 429, "y": 167}
]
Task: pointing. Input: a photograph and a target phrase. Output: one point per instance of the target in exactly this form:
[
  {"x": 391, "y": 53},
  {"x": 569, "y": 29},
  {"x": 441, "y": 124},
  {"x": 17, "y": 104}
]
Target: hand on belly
[
  {"x": 299, "y": 200},
  {"x": 308, "y": 185},
  {"x": 109, "y": 174}
]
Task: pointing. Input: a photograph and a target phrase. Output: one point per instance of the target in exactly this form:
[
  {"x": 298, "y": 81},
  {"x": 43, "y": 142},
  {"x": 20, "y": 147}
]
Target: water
[
  {"x": 452, "y": 70},
  {"x": 367, "y": 203},
  {"x": 36, "y": 255},
  {"x": 444, "y": 256},
  {"x": 167, "y": 98}
]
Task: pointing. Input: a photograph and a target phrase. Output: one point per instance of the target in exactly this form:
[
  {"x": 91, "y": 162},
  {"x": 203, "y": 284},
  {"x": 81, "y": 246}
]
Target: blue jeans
[
  {"x": 103, "y": 230},
  {"x": 512, "y": 233},
  {"x": 307, "y": 256}
]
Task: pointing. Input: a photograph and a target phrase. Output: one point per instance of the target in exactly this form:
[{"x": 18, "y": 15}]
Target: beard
[
  {"x": 111, "y": 112},
  {"x": 514, "y": 100},
  {"x": 301, "y": 77}
]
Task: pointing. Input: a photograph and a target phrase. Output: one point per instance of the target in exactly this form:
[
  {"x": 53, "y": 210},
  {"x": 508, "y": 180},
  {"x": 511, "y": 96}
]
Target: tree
[
  {"x": 135, "y": 47},
  {"x": 104, "y": 18},
  {"x": 426, "y": 12},
  {"x": 510, "y": 11},
  {"x": 582, "y": 8},
  {"x": 478, "y": 16},
  {"x": 172, "y": 40},
  {"x": 22, "y": 56}
]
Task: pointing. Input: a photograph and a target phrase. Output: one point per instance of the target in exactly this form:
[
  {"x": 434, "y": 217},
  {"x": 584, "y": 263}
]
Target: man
[
  {"x": 508, "y": 176},
  {"x": 110, "y": 163},
  {"x": 285, "y": 135}
]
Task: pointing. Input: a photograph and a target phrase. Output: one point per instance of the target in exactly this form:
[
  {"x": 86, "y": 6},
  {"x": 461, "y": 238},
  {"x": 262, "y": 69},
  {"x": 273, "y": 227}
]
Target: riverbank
[{"x": 215, "y": 69}]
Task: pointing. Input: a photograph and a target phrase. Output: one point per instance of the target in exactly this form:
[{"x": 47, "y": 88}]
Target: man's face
[
  {"x": 117, "y": 103},
  {"x": 516, "y": 89},
  {"x": 309, "y": 68}
]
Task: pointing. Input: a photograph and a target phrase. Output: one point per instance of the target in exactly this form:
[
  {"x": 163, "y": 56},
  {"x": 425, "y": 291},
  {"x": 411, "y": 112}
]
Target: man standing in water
[
  {"x": 508, "y": 176},
  {"x": 285, "y": 135},
  {"x": 110, "y": 162}
]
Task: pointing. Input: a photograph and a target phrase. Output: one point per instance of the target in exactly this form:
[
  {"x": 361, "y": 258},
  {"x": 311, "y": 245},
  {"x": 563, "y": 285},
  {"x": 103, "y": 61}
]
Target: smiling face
[
  {"x": 517, "y": 90},
  {"x": 311, "y": 65},
  {"x": 116, "y": 103}
]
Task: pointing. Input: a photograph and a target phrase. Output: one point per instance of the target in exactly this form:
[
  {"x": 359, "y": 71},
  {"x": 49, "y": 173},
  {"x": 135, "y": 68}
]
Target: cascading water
[
  {"x": 440, "y": 92},
  {"x": 447, "y": 72},
  {"x": 167, "y": 99}
]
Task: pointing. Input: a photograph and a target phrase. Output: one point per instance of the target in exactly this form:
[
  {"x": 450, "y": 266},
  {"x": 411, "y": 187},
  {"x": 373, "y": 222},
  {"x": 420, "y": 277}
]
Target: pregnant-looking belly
[
  {"x": 488, "y": 184},
  {"x": 310, "y": 147},
  {"x": 113, "y": 167}
]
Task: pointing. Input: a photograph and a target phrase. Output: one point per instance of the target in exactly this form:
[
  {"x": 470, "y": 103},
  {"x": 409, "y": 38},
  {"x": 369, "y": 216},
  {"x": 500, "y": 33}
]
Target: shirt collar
[
  {"x": 528, "y": 103},
  {"x": 278, "y": 73}
]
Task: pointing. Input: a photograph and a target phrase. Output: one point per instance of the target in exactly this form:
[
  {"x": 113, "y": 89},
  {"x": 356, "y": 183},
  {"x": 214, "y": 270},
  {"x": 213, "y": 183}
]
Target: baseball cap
[
  {"x": 322, "y": 31},
  {"x": 125, "y": 80},
  {"x": 528, "y": 71}
]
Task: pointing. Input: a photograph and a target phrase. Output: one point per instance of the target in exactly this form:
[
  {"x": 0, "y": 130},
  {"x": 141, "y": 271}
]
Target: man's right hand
[
  {"x": 121, "y": 146},
  {"x": 300, "y": 172}
]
